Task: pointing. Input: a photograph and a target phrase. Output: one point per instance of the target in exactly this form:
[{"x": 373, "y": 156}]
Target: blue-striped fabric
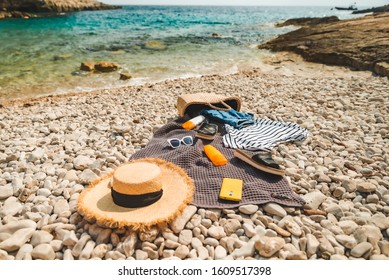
[{"x": 264, "y": 134}]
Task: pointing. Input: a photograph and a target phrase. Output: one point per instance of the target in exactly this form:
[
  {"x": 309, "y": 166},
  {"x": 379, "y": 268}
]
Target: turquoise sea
[{"x": 43, "y": 55}]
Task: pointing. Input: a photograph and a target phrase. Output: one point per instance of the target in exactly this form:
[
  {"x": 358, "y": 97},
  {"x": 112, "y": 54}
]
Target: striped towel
[{"x": 264, "y": 134}]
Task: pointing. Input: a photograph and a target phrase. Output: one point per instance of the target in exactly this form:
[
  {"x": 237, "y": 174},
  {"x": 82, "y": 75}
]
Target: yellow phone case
[{"x": 231, "y": 189}]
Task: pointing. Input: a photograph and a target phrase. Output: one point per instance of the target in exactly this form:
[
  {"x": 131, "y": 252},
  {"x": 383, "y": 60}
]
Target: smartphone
[
  {"x": 207, "y": 131},
  {"x": 231, "y": 189}
]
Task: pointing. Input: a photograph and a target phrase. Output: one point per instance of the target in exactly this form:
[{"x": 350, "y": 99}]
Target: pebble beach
[{"x": 51, "y": 148}]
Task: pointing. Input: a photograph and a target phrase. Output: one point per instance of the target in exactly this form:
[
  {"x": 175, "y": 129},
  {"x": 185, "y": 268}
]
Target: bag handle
[{"x": 226, "y": 106}]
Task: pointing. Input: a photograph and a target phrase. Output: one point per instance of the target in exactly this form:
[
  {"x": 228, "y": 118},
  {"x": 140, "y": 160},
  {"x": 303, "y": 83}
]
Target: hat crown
[{"x": 137, "y": 178}]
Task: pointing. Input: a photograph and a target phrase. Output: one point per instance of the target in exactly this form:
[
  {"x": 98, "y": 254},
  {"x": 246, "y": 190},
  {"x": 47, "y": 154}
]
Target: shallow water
[{"x": 43, "y": 55}]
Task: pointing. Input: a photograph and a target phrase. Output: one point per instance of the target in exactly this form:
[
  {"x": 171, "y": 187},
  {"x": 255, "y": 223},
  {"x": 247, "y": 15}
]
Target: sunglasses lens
[
  {"x": 175, "y": 143},
  {"x": 187, "y": 140}
]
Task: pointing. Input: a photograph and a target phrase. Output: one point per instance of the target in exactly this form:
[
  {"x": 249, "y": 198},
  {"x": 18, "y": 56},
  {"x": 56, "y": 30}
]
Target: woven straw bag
[{"x": 191, "y": 104}]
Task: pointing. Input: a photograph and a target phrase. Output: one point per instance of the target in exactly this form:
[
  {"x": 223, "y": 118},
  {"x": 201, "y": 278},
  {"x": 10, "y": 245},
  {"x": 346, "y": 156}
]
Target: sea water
[{"x": 40, "y": 56}]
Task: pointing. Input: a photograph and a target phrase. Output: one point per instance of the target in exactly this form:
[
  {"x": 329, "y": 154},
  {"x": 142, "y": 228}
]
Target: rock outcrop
[
  {"x": 373, "y": 10},
  {"x": 308, "y": 21},
  {"x": 98, "y": 67},
  {"x": 15, "y": 8},
  {"x": 361, "y": 44}
]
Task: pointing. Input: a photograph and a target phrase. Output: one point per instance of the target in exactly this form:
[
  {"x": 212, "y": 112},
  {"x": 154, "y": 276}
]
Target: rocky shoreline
[
  {"x": 381, "y": 9},
  {"x": 45, "y": 8},
  {"x": 341, "y": 43},
  {"x": 52, "y": 147}
]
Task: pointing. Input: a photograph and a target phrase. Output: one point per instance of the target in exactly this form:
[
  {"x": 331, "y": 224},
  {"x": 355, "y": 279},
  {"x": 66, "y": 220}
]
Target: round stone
[
  {"x": 360, "y": 249},
  {"x": 248, "y": 209},
  {"x": 43, "y": 252},
  {"x": 274, "y": 209},
  {"x": 268, "y": 246}
]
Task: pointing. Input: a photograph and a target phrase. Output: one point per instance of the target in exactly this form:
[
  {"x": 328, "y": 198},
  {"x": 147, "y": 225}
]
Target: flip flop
[
  {"x": 207, "y": 131},
  {"x": 261, "y": 161}
]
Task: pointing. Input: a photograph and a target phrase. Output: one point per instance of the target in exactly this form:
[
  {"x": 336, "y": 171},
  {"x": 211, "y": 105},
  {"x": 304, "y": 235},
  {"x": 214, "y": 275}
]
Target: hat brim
[{"x": 95, "y": 202}]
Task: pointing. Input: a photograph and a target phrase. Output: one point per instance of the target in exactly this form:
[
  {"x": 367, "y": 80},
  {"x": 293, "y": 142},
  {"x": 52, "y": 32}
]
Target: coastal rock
[
  {"x": 179, "y": 223},
  {"x": 211, "y": 242},
  {"x": 43, "y": 252},
  {"x": 380, "y": 221},
  {"x": 248, "y": 209},
  {"x": 348, "y": 227},
  {"x": 125, "y": 76},
  {"x": 338, "y": 257},
  {"x": 87, "y": 176},
  {"x": 231, "y": 226},
  {"x": 289, "y": 252},
  {"x": 220, "y": 253},
  {"x": 268, "y": 246},
  {"x": 56, "y": 245},
  {"x": 279, "y": 230},
  {"x": 129, "y": 244},
  {"x": 216, "y": 232},
  {"x": 171, "y": 244},
  {"x": 384, "y": 247},
  {"x": 70, "y": 238},
  {"x": 349, "y": 185},
  {"x": 11, "y": 207},
  {"x": 382, "y": 68},
  {"x": 249, "y": 230},
  {"x": 293, "y": 228},
  {"x": 347, "y": 241},
  {"x": 71, "y": 176},
  {"x": 14, "y": 226},
  {"x": 366, "y": 187},
  {"x": 87, "y": 66},
  {"x": 82, "y": 162},
  {"x": 373, "y": 233},
  {"x": 314, "y": 199},
  {"x": 25, "y": 249},
  {"x": 312, "y": 245},
  {"x": 17, "y": 240},
  {"x": 87, "y": 251},
  {"x": 40, "y": 237},
  {"x": 247, "y": 250},
  {"x": 181, "y": 252},
  {"x": 37, "y": 154},
  {"x": 275, "y": 209},
  {"x": 61, "y": 206},
  {"x": 307, "y": 21},
  {"x": 16, "y": 14},
  {"x": 99, "y": 251},
  {"x": 77, "y": 249},
  {"x": 6, "y": 191},
  {"x": 326, "y": 43},
  {"x": 141, "y": 255},
  {"x": 326, "y": 248},
  {"x": 101, "y": 66},
  {"x": 213, "y": 214},
  {"x": 185, "y": 237},
  {"x": 360, "y": 235},
  {"x": 149, "y": 235},
  {"x": 155, "y": 45},
  {"x": 202, "y": 253},
  {"x": 380, "y": 9},
  {"x": 360, "y": 249},
  {"x": 105, "y": 66},
  {"x": 49, "y": 6},
  {"x": 170, "y": 236}
]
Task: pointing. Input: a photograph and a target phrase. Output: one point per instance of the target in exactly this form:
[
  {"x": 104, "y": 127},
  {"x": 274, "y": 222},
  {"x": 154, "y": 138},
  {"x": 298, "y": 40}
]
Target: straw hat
[{"x": 139, "y": 194}]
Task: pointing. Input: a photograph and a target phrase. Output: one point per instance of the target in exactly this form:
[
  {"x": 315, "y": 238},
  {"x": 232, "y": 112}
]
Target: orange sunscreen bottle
[
  {"x": 192, "y": 123},
  {"x": 214, "y": 155}
]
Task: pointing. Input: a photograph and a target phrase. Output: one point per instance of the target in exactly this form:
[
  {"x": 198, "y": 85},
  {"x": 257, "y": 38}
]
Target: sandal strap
[{"x": 266, "y": 160}]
